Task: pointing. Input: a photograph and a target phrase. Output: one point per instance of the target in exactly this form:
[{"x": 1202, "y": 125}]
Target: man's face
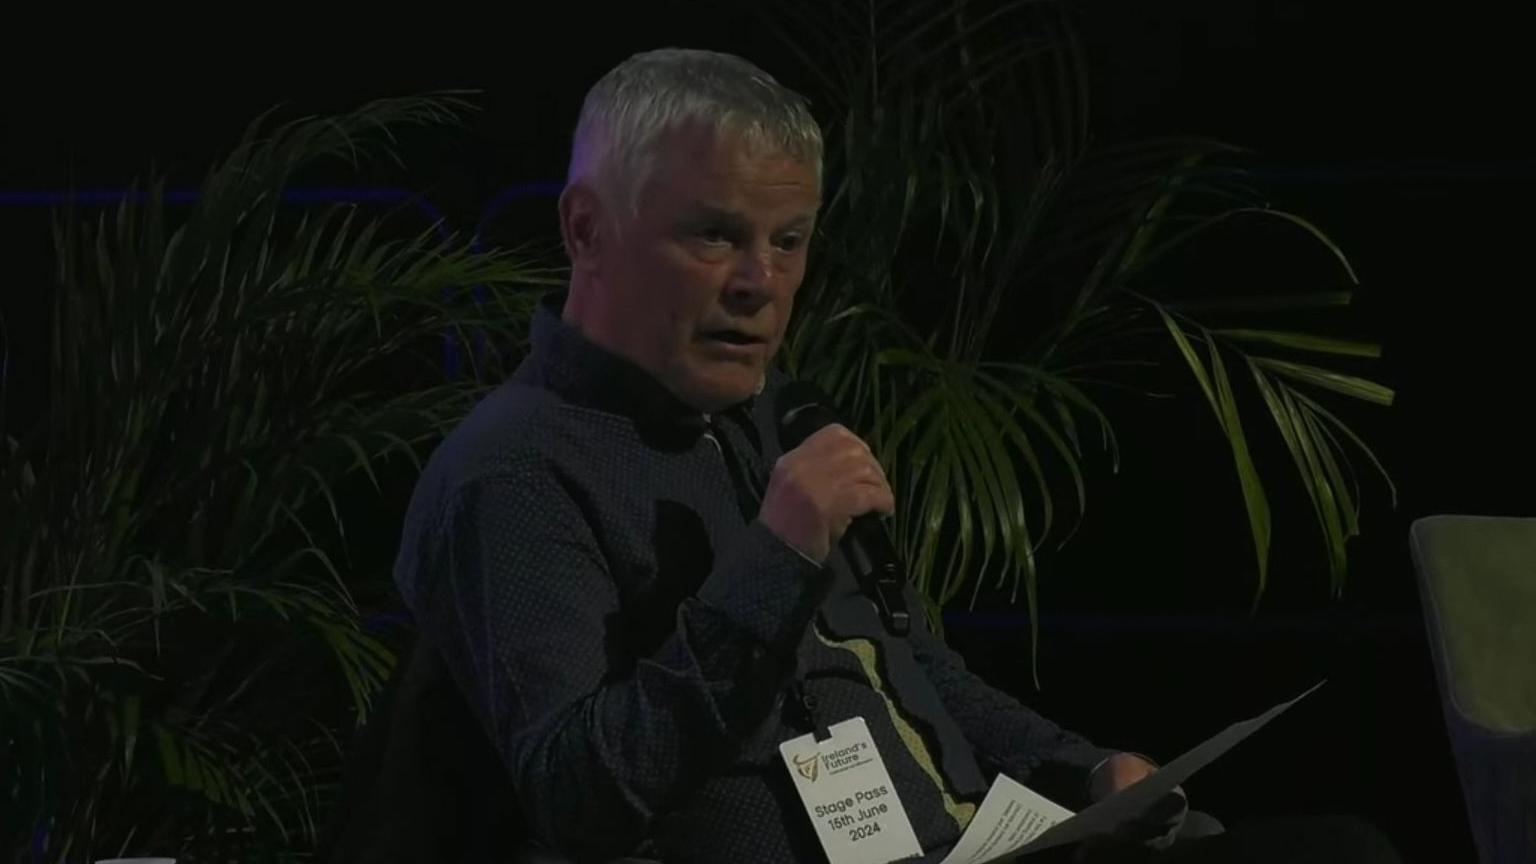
[{"x": 698, "y": 287}]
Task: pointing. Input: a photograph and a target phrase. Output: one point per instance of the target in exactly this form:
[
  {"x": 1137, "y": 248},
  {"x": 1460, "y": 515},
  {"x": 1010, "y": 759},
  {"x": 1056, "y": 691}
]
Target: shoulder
[
  {"x": 514, "y": 437},
  {"x": 505, "y": 453},
  {"x": 504, "y": 430}
]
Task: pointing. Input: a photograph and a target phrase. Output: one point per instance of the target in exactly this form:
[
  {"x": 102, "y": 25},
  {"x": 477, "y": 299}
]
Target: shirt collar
[{"x": 562, "y": 359}]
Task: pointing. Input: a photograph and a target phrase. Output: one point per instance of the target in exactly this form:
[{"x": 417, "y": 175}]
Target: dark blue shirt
[{"x": 583, "y": 549}]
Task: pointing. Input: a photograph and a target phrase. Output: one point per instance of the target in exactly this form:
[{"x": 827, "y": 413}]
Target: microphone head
[{"x": 802, "y": 409}]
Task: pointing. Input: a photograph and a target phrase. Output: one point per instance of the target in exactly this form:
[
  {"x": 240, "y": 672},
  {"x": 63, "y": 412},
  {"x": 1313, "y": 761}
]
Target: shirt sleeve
[
  {"x": 524, "y": 603},
  {"x": 1018, "y": 741}
]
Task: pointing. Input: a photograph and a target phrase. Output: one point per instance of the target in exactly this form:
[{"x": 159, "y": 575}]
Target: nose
[
  {"x": 752, "y": 277},
  {"x": 754, "y": 267}
]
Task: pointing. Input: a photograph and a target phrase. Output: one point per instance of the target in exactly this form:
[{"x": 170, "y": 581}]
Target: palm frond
[
  {"x": 989, "y": 255},
  {"x": 216, "y": 378}
]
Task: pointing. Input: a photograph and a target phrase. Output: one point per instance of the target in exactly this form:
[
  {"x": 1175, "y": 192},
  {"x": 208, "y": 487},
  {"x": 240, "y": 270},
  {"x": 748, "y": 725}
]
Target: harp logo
[{"x": 808, "y": 765}]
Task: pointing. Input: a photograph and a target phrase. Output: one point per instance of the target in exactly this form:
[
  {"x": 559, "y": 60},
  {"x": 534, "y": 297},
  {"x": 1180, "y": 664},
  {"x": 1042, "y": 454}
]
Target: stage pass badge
[{"x": 849, "y": 796}]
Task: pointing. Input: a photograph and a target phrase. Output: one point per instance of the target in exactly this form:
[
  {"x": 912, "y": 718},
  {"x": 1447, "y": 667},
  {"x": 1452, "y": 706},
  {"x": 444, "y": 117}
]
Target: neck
[{"x": 584, "y": 311}]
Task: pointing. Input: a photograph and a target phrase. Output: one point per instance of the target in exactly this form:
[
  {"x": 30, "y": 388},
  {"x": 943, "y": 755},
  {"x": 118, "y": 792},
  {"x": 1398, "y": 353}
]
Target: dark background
[{"x": 1402, "y": 133}]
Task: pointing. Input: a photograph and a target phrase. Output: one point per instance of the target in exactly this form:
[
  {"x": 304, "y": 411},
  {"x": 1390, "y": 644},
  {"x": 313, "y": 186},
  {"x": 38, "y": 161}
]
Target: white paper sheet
[{"x": 1013, "y": 821}]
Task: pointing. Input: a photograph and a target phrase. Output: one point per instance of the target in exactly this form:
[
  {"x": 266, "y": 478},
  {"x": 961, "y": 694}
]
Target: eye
[
  {"x": 714, "y": 235},
  {"x": 790, "y": 242}
]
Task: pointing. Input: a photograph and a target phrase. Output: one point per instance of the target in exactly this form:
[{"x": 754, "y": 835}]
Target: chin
[
  {"x": 712, "y": 401},
  {"x": 717, "y": 393}
]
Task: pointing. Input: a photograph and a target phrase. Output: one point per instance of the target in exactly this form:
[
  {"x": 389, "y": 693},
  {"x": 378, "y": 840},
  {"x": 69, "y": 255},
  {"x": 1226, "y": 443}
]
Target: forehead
[{"x": 729, "y": 169}]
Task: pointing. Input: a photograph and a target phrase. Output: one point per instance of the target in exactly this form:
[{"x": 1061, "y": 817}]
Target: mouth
[{"x": 732, "y": 337}]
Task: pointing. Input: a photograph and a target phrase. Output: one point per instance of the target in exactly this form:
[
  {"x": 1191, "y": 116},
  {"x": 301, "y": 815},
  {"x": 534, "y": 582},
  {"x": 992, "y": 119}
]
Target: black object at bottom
[
  {"x": 423, "y": 782},
  {"x": 1288, "y": 840}
]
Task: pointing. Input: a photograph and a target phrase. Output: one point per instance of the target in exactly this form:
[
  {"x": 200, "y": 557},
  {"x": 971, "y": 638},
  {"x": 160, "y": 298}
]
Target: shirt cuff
[{"x": 765, "y": 586}]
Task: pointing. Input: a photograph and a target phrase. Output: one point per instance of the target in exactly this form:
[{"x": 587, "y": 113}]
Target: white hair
[{"x": 629, "y": 112}]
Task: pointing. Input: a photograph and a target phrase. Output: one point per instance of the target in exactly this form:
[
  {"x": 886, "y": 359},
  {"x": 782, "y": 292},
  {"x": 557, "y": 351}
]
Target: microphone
[{"x": 803, "y": 409}]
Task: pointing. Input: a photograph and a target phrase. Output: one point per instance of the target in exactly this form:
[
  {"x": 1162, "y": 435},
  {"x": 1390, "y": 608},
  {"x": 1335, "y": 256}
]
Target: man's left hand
[
  {"x": 1118, "y": 772},
  {"x": 1159, "y": 824}
]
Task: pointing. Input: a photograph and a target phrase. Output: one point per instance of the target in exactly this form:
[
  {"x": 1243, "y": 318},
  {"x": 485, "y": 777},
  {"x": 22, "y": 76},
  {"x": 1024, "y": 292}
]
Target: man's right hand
[{"x": 817, "y": 489}]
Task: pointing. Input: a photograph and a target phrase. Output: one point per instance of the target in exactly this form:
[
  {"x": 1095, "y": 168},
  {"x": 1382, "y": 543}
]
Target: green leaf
[
  {"x": 1349, "y": 385},
  {"x": 1316, "y": 234},
  {"x": 1063, "y": 450},
  {"x": 170, "y": 757},
  {"x": 1196, "y": 368},
  {"x": 1319, "y": 411},
  {"x": 1254, "y": 499},
  {"x": 990, "y": 504},
  {"x": 1316, "y": 467},
  {"x": 1331, "y": 520},
  {"x": 1347, "y": 513},
  {"x": 1003, "y": 428},
  {"x": 131, "y": 722},
  {"x": 1299, "y": 302},
  {"x": 963, "y": 552},
  {"x": 1303, "y": 342},
  {"x": 363, "y": 460}
]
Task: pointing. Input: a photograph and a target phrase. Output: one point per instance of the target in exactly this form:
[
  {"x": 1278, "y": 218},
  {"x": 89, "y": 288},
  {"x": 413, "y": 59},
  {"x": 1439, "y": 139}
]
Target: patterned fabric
[{"x": 583, "y": 546}]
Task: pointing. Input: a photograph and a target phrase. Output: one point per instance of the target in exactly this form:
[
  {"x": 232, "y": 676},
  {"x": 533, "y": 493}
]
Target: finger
[
  {"x": 843, "y": 435},
  {"x": 872, "y": 473},
  {"x": 825, "y": 438},
  {"x": 853, "y": 464},
  {"x": 879, "y": 498},
  {"x": 869, "y": 498},
  {"x": 854, "y": 447},
  {"x": 874, "y": 477}
]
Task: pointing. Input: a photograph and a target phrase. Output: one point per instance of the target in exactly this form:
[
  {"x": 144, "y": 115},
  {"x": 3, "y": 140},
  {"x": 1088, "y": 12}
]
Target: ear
[{"x": 582, "y": 225}]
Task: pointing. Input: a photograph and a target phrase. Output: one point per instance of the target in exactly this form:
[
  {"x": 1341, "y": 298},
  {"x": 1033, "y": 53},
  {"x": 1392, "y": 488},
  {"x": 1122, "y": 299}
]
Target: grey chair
[{"x": 1477, "y": 579}]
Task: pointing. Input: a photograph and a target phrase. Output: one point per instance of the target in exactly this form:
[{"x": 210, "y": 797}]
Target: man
[{"x": 638, "y": 592}]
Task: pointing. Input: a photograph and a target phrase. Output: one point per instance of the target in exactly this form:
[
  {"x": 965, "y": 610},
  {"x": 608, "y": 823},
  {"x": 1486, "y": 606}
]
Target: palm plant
[
  {"x": 179, "y": 648},
  {"x": 986, "y": 267},
  {"x": 178, "y": 596}
]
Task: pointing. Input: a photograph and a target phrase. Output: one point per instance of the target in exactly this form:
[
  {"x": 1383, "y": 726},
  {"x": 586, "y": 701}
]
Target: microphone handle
[{"x": 867, "y": 547}]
